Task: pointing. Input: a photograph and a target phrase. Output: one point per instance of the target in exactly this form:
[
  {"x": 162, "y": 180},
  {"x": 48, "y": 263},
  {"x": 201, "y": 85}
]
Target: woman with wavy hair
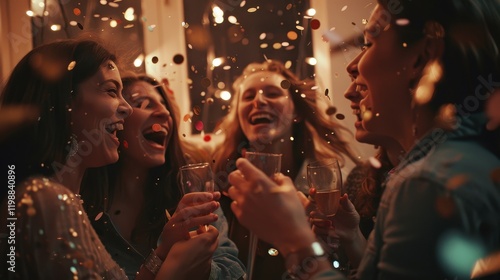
[
  {"x": 133, "y": 207},
  {"x": 273, "y": 111}
]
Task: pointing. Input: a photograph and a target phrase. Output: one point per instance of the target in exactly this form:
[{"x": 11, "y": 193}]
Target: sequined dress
[{"x": 54, "y": 238}]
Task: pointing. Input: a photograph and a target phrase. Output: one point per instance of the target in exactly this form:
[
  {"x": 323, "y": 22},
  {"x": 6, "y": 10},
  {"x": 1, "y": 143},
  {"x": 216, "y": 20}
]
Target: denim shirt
[
  {"x": 440, "y": 198},
  {"x": 225, "y": 263}
]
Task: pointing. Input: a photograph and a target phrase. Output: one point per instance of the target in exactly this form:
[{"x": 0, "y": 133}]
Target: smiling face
[
  {"x": 265, "y": 109},
  {"x": 148, "y": 130},
  {"x": 383, "y": 74},
  {"x": 98, "y": 111},
  {"x": 361, "y": 134}
]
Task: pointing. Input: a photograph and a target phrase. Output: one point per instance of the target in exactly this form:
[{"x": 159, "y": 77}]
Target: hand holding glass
[
  {"x": 326, "y": 178},
  {"x": 270, "y": 164}
]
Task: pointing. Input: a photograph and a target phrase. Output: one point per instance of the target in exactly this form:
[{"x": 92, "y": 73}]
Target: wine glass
[
  {"x": 270, "y": 164},
  {"x": 326, "y": 179}
]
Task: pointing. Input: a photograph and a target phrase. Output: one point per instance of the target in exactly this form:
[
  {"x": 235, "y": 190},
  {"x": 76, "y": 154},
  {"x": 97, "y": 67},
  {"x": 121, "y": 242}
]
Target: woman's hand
[
  {"x": 192, "y": 258},
  {"x": 194, "y": 210},
  {"x": 344, "y": 225},
  {"x": 270, "y": 209}
]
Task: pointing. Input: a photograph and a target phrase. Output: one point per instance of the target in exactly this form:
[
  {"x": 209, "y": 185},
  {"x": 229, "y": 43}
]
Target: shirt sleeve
[
  {"x": 420, "y": 218},
  {"x": 55, "y": 238},
  {"x": 225, "y": 262}
]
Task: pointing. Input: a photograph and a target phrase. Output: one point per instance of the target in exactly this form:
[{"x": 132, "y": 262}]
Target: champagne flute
[
  {"x": 197, "y": 177},
  {"x": 270, "y": 164},
  {"x": 326, "y": 178}
]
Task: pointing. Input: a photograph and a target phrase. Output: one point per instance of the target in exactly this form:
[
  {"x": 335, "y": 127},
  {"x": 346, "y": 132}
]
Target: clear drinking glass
[
  {"x": 270, "y": 164},
  {"x": 196, "y": 177},
  {"x": 326, "y": 178}
]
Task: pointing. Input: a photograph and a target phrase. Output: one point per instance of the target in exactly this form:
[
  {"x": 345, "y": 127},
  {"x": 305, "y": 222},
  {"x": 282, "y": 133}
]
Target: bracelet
[
  {"x": 153, "y": 262},
  {"x": 304, "y": 261}
]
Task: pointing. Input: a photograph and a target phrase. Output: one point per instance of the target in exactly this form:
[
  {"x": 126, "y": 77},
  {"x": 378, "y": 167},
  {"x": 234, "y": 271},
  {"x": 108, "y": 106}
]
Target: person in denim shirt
[
  {"x": 142, "y": 204},
  {"x": 426, "y": 71}
]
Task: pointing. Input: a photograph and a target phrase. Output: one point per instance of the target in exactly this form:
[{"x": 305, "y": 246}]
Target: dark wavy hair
[
  {"x": 471, "y": 57},
  {"x": 45, "y": 81}
]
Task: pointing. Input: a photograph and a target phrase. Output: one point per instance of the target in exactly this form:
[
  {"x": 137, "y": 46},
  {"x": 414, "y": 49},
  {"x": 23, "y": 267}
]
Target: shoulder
[{"x": 39, "y": 196}]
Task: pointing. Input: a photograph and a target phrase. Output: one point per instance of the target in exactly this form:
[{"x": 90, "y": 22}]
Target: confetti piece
[
  {"x": 252, "y": 10},
  {"x": 340, "y": 116},
  {"x": 205, "y": 82},
  {"x": 80, "y": 26},
  {"x": 207, "y": 138},
  {"x": 285, "y": 84},
  {"x": 154, "y": 59},
  {"x": 196, "y": 110},
  {"x": 315, "y": 24},
  {"x": 178, "y": 59},
  {"x": 344, "y": 8},
  {"x": 199, "y": 125},
  {"x": 210, "y": 100},
  {"x": 445, "y": 206},
  {"x": 71, "y": 65},
  {"x": 331, "y": 110},
  {"x": 98, "y": 216},
  {"x": 375, "y": 163},
  {"x": 156, "y": 127},
  {"x": 456, "y": 181},
  {"x": 292, "y": 35},
  {"x": 187, "y": 117},
  {"x": 125, "y": 144},
  {"x": 77, "y": 12}
]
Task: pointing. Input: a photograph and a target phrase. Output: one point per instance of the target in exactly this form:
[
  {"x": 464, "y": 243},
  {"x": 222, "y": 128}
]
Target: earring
[{"x": 73, "y": 146}]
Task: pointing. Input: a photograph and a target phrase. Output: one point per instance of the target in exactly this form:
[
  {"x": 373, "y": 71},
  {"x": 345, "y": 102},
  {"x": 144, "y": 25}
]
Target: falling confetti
[
  {"x": 178, "y": 59},
  {"x": 205, "y": 82},
  {"x": 375, "y": 163},
  {"x": 315, "y": 24},
  {"x": 77, "y": 11},
  {"x": 326, "y": 93},
  {"x": 187, "y": 117},
  {"x": 285, "y": 84},
  {"x": 331, "y": 110},
  {"x": 154, "y": 59},
  {"x": 456, "y": 181},
  {"x": 125, "y": 144},
  {"x": 340, "y": 116},
  {"x": 156, "y": 127},
  {"x": 344, "y": 8},
  {"x": 199, "y": 125},
  {"x": 292, "y": 35},
  {"x": 196, "y": 110},
  {"x": 207, "y": 138},
  {"x": 80, "y": 26},
  {"x": 98, "y": 216},
  {"x": 71, "y": 65}
]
